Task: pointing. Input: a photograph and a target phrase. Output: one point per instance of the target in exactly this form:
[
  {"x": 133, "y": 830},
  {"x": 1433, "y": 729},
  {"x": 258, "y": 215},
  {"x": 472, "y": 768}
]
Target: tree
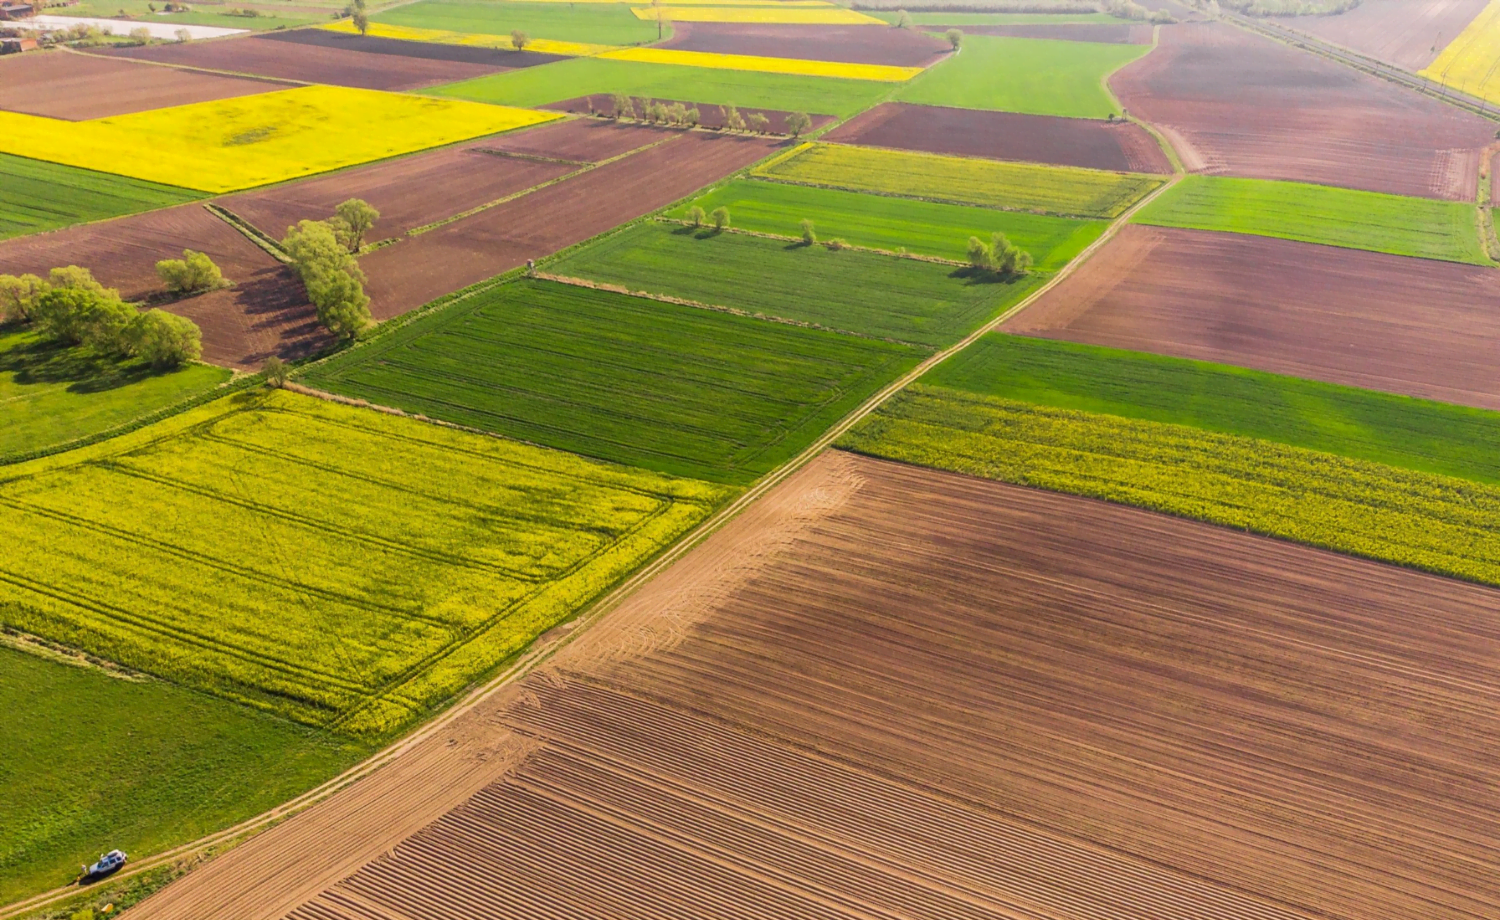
[
  {"x": 999, "y": 256},
  {"x": 808, "y": 236},
  {"x": 520, "y": 40},
  {"x": 695, "y": 216},
  {"x": 141, "y": 35},
  {"x": 183, "y": 35},
  {"x": 164, "y": 339},
  {"x": 981, "y": 256},
  {"x": 677, "y": 114},
  {"x": 758, "y": 122},
  {"x": 690, "y": 117},
  {"x": 81, "y": 316},
  {"x": 903, "y": 20},
  {"x": 733, "y": 121},
  {"x": 797, "y": 123},
  {"x": 361, "y": 22},
  {"x": 18, "y": 297},
  {"x": 351, "y": 221},
  {"x": 955, "y": 38},
  {"x": 624, "y": 106},
  {"x": 720, "y": 218},
  {"x": 343, "y": 307},
  {"x": 76, "y": 276},
  {"x": 190, "y": 274},
  {"x": 333, "y": 280},
  {"x": 276, "y": 372}
]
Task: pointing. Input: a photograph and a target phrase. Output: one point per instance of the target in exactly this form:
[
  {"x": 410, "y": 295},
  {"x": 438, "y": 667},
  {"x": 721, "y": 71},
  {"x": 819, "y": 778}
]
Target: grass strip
[{"x": 37, "y": 196}]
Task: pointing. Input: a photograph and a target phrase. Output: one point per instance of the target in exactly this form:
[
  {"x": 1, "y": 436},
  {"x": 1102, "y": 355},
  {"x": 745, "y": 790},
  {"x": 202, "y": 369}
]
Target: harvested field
[
  {"x": 76, "y": 87},
  {"x": 1413, "y": 326},
  {"x": 492, "y": 59},
  {"x": 710, "y": 116},
  {"x": 1099, "y": 712},
  {"x": 1238, "y": 104},
  {"x": 1086, "y": 142},
  {"x": 1115, "y": 33},
  {"x": 266, "y": 56},
  {"x": 459, "y": 254},
  {"x": 1407, "y": 33},
  {"x": 583, "y": 140},
  {"x": 859, "y": 44},
  {"x": 265, "y": 313}
]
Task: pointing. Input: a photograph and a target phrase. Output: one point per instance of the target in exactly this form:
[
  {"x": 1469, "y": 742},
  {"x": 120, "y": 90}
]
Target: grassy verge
[
  {"x": 589, "y": 23},
  {"x": 37, "y": 196}
]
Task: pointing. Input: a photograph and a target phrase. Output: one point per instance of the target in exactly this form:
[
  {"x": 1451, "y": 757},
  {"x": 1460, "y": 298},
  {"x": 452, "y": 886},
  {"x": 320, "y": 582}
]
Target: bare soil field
[
  {"x": 1414, "y": 326},
  {"x": 77, "y": 87},
  {"x": 1238, "y": 104},
  {"x": 265, "y": 313},
  {"x": 409, "y": 192},
  {"x": 847, "y": 44},
  {"x": 1124, "y": 33},
  {"x": 1407, "y": 33},
  {"x": 267, "y": 57},
  {"x": 1086, "y": 142},
  {"x": 494, "y": 59},
  {"x": 886, "y": 692},
  {"x": 710, "y": 116},
  {"x": 411, "y": 273},
  {"x": 583, "y": 140}
]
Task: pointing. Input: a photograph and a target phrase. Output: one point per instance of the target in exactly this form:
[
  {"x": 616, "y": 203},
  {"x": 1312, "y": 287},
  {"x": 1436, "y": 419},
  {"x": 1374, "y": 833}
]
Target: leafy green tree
[
  {"x": 758, "y": 122},
  {"x": 624, "y": 106},
  {"x": 903, "y": 20},
  {"x": 343, "y": 307},
  {"x": 276, "y": 371},
  {"x": 691, "y": 117},
  {"x": 981, "y": 256},
  {"x": 808, "y": 236},
  {"x": 361, "y": 22},
  {"x": 798, "y": 123},
  {"x": 334, "y": 281},
  {"x": 720, "y": 218},
  {"x": 18, "y": 297},
  {"x": 190, "y": 274},
  {"x": 955, "y": 38},
  {"x": 351, "y": 220},
  {"x": 164, "y": 339},
  {"x": 695, "y": 216},
  {"x": 75, "y": 276},
  {"x": 733, "y": 120},
  {"x": 81, "y": 315},
  {"x": 520, "y": 40}
]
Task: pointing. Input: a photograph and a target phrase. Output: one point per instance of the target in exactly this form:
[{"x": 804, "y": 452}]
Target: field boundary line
[
  {"x": 254, "y": 234},
  {"x": 913, "y": 256}
]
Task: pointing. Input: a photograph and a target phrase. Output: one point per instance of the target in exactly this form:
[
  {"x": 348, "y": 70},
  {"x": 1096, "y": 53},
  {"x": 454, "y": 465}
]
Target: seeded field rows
[{"x": 37, "y": 196}]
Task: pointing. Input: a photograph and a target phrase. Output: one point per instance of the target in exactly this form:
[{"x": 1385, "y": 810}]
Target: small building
[
  {"x": 10, "y": 11},
  {"x": 16, "y": 45}
]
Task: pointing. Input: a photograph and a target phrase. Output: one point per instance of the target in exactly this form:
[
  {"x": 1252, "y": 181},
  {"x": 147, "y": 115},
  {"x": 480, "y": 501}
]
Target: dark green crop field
[
  {"x": 677, "y": 389},
  {"x": 1383, "y": 428},
  {"x": 37, "y": 196},
  {"x": 867, "y": 293}
]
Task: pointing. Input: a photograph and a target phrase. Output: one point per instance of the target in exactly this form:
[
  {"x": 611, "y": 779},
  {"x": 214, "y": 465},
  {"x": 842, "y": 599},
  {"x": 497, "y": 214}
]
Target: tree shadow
[
  {"x": 39, "y": 361},
  {"x": 972, "y": 275}
]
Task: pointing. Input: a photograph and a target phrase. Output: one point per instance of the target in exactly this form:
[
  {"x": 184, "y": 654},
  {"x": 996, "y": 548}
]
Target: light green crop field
[
  {"x": 589, "y": 23},
  {"x": 672, "y": 388},
  {"x": 1058, "y": 190},
  {"x": 50, "y": 394},
  {"x": 1436, "y": 523},
  {"x": 1383, "y": 428},
  {"x": 37, "y": 196},
  {"x": 1349, "y": 218},
  {"x": 923, "y": 303},
  {"x": 1029, "y": 75},
  {"x": 999, "y": 19},
  {"x": 274, "y": 15},
  {"x": 534, "y": 86},
  {"x": 341, "y": 567},
  {"x": 94, "y": 762},
  {"x": 883, "y": 222}
]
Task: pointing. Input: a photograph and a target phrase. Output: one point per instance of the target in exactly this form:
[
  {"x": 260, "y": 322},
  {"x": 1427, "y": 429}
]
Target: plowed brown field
[
  {"x": 494, "y": 60},
  {"x": 421, "y": 268},
  {"x": 1238, "y": 104},
  {"x": 584, "y": 140},
  {"x": 710, "y": 116},
  {"x": 1124, "y": 33},
  {"x": 1084, "y": 142},
  {"x": 886, "y": 692},
  {"x": 1413, "y": 326},
  {"x": 77, "y": 87},
  {"x": 267, "y": 57},
  {"x": 265, "y": 313},
  {"x": 1407, "y": 33},
  {"x": 849, "y": 44}
]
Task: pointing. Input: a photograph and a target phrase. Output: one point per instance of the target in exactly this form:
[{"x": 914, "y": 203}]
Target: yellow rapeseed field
[
  {"x": 830, "y": 16},
  {"x": 1471, "y": 62},
  {"x": 471, "y": 39},
  {"x": 240, "y": 143},
  {"x": 882, "y": 72},
  {"x": 803, "y": 3}
]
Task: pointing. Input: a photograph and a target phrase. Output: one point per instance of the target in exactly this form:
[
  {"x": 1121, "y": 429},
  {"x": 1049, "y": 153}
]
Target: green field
[
  {"x": 50, "y": 394},
  {"x": 337, "y": 566},
  {"x": 672, "y": 388},
  {"x": 1028, "y": 75},
  {"x": 1059, "y": 190},
  {"x": 590, "y": 23},
  {"x": 534, "y": 86},
  {"x": 1383, "y": 428},
  {"x": 924, "y": 303},
  {"x": 94, "y": 762},
  {"x": 1437, "y": 523},
  {"x": 883, "y": 222},
  {"x": 1343, "y": 217},
  {"x": 37, "y": 196},
  {"x": 274, "y": 15},
  {"x": 998, "y": 19}
]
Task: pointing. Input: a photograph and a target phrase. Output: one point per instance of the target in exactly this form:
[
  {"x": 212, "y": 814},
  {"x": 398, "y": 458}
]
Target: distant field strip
[
  {"x": 1061, "y": 190},
  {"x": 1471, "y": 62},
  {"x": 466, "y": 39},
  {"x": 338, "y": 566},
  {"x": 1374, "y": 221},
  {"x": 1440, "y": 524},
  {"x": 244, "y": 142},
  {"x": 768, "y": 14},
  {"x": 923, "y": 303},
  {"x": 37, "y": 196},
  {"x": 673, "y": 388},
  {"x": 879, "y": 72}
]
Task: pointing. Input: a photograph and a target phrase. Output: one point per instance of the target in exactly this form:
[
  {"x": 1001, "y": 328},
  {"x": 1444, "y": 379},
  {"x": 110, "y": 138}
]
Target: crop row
[{"x": 1421, "y": 520}]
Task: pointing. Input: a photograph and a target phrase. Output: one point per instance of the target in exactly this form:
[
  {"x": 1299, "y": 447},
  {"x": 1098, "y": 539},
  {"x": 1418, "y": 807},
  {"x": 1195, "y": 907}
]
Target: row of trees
[
  {"x": 678, "y": 115},
  {"x": 904, "y": 21},
  {"x": 322, "y": 253}
]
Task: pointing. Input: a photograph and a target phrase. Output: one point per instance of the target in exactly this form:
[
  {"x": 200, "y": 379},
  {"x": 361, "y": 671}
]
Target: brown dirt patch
[
  {"x": 710, "y": 116},
  {"x": 1124, "y": 33},
  {"x": 1084, "y": 142},
  {"x": 925, "y": 695},
  {"x": 265, "y": 313},
  {"x": 1407, "y": 33},
  {"x": 1239, "y": 104},
  {"x": 267, "y": 57},
  {"x": 848, "y": 44},
  {"x": 1413, "y": 326},
  {"x": 77, "y": 87},
  {"x": 411, "y": 273},
  {"x": 587, "y": 140},
  {"x": 495, "y": 59}
]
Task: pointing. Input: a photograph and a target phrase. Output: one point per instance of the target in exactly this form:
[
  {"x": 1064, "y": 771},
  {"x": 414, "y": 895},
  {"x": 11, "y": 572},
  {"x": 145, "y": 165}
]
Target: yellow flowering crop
[
  {"x": 240, "y": 143},
  {"x": 829, "y": 16},
  {"x": 882, "y": 72},
  {"x": 768, "y": 3},
  {"x": 470, "y": 39},
  {"x": 1471, "y": 62}
]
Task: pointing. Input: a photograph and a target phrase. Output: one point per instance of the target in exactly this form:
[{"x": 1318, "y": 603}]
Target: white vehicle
[{"x": 109, "y": 862}]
